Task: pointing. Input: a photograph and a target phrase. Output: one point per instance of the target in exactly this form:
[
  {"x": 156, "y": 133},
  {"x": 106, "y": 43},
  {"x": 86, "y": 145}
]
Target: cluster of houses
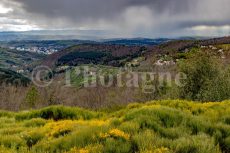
[
  {"x": 219, "y": 51},
  {"x": 39, "y": 50},
  {"x": 18, "y": 69},
  {"x": 135, "y": 62},
  {"x": 164, "y": 63}
]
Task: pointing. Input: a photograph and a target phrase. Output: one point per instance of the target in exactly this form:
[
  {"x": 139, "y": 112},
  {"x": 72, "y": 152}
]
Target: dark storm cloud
[
  {"x": 94, "y": 9},
  {"x": 147, "y": 17}
]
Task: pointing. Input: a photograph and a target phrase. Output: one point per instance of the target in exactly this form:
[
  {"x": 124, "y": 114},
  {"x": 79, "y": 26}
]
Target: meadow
[{"x": 167, "y": 126}]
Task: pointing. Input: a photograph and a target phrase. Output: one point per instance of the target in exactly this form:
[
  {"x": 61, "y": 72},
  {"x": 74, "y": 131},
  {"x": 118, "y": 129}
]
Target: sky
[{"x": 119, "y": 18}]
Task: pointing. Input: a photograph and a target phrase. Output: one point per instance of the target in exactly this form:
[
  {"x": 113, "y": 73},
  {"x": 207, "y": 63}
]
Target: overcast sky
[{"x": 119, "y": 18}]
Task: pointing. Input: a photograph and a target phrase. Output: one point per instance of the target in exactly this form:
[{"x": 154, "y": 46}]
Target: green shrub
[
  {"x": 224, "y": 129},
  {"x": 5, "y": 150},
  {"x": 196, "y": 125},
  {"x": 12, "y": 130},
  {"x": 146, "y": 140},
  {"x": 226, "y": 144},
  {"x": 155, "y": 117},
  {"x": 115, "y": 122},
  {"x": 11, "y": 141},
  {"x": 80, "y": 139},
  {"x": 5, "y": 121},
  {"x": 112, "y": 145},
  {"x": 172, "y": 133},
  {"x": 35, "y": 122},
  {"x": 195, "y": 144},
  {"x": 207, "y": 79},
  {"x": 158, "y": 126},
  {"x": 33, "y": 138},
  {"x": 57, "y": 113},
  {"x": 129, "y": 127},
  {"x": 227, "y": 120},
  {"x": 6, "y": 114},
  {"x": 32, "y": 97}
]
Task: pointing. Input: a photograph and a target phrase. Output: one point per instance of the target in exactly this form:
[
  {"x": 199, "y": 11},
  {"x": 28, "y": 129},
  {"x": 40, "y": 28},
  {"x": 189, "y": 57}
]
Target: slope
[{"x": 156, "y": 127}]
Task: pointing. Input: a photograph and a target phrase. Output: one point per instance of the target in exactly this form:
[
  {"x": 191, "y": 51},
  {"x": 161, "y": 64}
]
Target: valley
[
  {"x": 106, "y": 97},
  {"x": 114, "y": 76}
]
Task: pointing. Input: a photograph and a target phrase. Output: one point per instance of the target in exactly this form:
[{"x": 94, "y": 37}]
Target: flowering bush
[
  {"x": 60, "y": 128},
  {"x": 168, "y": 126},
  {"x": 115, "y": 133},
  {"x": 158, "y": 150}
]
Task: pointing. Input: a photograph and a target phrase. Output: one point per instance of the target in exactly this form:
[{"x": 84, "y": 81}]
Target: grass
[{"x": 168, "y": 126}]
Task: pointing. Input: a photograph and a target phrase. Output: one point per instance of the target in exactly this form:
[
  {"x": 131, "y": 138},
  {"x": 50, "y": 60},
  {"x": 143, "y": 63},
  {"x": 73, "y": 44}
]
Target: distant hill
[
  {"x": 60, "y": 44},
  {"x": 137, "y": 41},
  {"x": 49, "y": 35},
  {"x": 14, "y": 60},
  {"x": 115, "y": 53},
  {"x": 105, "y": 54},
  {"x": 119, "y": 49},
  {"x": 180, "y": 45},
  {"x": 13, "y": 78}
]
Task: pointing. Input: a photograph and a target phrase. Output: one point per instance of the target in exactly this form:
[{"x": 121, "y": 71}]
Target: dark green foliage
[
  {"x": 11, "y": 141},
  {"x": 32, "y": 138},
  {"x": 75, "y": 58},
  {"x": 36, "y": 122},
  {"x": 77, "y": 139},
  {"x": 13, "y": 78},
  {"x": 103, "y": 54},
  {"x": 6, "y": 114},
  {"x": 226, "y": 144},
  {"x": 200, "y": 143},
  {"x": 172, "y": 124},
  {"x": 117, "y": 146},
  {"x": 207, "y": 79},
  {"x": 9, "y": 58},
  {"x": 57, "y": 113},
  {"x": 32, "y": 97},
  {"x": 162, "y": 116}
]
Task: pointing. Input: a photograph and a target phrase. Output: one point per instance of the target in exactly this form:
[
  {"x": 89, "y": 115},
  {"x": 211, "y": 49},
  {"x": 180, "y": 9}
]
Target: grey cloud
[
  {"x": 147, "y": 17},
  {"x": 94, "y": 9}
]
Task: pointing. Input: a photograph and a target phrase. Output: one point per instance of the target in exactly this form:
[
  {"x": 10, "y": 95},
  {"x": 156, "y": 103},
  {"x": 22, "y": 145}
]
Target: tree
[
  {"x": 32, "y": 97},
  {"x": 207, "y": 79}
]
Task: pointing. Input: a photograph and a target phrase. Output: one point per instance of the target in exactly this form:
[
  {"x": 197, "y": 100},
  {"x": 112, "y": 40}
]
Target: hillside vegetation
[
  {"x": 206, "y": 68},
  {"x": 12, "y": 78},
  {"x": 117, "y": 54},
  {"x": 14, "y": 59},
  {"x": 112, "y": 55},
  {"x": 155, "y": 127}
]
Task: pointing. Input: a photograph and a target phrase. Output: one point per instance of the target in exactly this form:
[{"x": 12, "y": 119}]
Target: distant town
[
  {"x": 39, "y": 50},
  {"x": 40, "y": 47}
]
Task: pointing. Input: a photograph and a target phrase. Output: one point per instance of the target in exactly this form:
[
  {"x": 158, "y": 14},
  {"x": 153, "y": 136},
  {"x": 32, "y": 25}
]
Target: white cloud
[
  {"x": 5, "y": 10},
  {"x": 10, "y": 27},
  {"x": 204, "y": 30}
]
